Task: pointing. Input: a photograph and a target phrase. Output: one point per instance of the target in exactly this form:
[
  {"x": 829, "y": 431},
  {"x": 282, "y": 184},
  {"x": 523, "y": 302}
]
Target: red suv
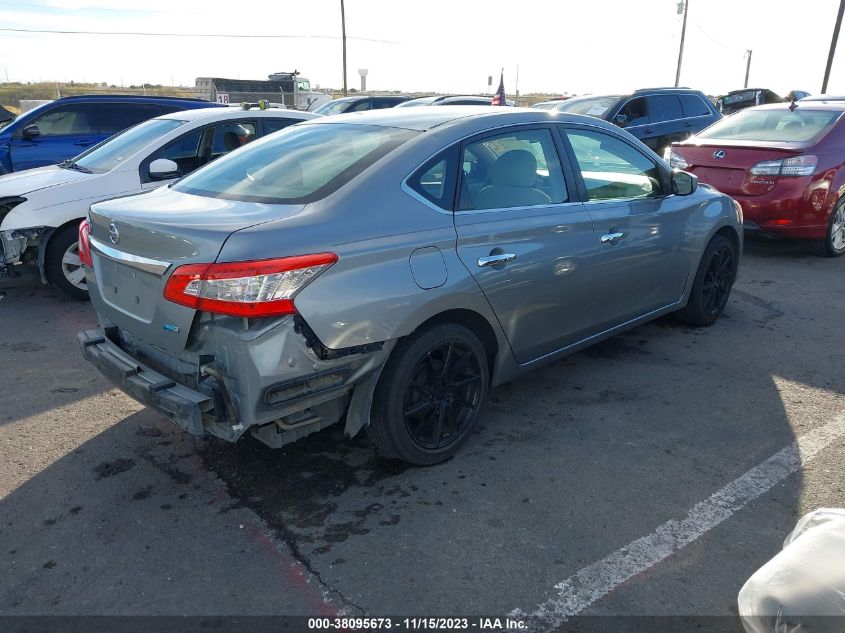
[{"x": 783, "y": 163}]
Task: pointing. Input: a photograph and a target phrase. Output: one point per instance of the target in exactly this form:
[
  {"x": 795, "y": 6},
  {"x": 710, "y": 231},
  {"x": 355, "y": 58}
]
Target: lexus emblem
[
  {"x": 114, "y": 234},
  {"x": 719, "y": 153}
]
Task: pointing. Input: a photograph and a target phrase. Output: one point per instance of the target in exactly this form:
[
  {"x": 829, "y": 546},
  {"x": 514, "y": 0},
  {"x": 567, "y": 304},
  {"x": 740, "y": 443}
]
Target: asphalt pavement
[{"x": 107, "y": 508}]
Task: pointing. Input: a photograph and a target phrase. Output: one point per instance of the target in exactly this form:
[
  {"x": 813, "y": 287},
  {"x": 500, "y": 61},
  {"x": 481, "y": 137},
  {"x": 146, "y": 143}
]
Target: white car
[{"x": 40, "y": 209}]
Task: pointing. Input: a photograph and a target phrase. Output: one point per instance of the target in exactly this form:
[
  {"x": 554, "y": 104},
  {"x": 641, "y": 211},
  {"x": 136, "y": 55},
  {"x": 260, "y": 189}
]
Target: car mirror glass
[{"x": 683, "y": 183}]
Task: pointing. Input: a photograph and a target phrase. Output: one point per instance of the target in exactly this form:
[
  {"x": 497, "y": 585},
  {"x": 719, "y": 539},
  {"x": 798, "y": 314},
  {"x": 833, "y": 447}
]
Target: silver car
[{"x": 384, "y": 270}]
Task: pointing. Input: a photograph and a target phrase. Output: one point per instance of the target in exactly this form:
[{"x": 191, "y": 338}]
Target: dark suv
[
  {"x": 360, "y": 103},
  {"x": 656, "y": 116},
  {"x": 66, "y": 127}
]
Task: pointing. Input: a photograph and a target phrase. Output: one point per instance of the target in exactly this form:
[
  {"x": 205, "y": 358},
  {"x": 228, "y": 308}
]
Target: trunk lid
[
  {"x": 731, "y": 174},
  {"x": 138, "y": 241}
]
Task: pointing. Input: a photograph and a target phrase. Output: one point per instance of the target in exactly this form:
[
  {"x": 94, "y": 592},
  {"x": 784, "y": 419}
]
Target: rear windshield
[
  {"x": 783, "y": 126},
  {"x": 112, "y": 152},
  {"x": 295, "y": 166},
  {"x": 596, "y": 107}
]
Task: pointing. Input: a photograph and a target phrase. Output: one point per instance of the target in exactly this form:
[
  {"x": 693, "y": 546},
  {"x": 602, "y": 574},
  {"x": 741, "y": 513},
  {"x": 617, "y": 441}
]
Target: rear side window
[
  {"x": 274, "y": 125},
  {"x": 300, "y": 164},
  {"x": 693, "y": 105},
  {"x": 435, "y": 181},
  {"x": 521, "y": 168},
  {"x": 665, "y": 108},
  {"x": 114, "y": 117}
]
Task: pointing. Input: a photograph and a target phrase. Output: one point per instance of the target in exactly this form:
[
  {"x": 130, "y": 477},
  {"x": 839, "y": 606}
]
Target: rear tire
[
  {"x": 430, "y": 395},
  {"x": 62, "y": 264},
  {"x": 714, "y": 279},
  {"x": 833, "y": 245}
]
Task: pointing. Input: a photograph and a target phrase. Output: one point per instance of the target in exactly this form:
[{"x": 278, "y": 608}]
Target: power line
[{"x": 233, "y": 35}]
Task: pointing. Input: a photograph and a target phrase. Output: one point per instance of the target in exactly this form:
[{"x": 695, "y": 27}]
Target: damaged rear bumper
[{"x": 182, "y": 405}]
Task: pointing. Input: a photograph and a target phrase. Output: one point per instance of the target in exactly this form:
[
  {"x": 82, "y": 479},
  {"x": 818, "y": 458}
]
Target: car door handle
[
  {"x": 492, "y": 260},
  {"x": 611, "y": 238}
]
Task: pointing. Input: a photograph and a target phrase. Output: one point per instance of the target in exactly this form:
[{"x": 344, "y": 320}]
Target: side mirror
[
  {"x": 683, "y": 183},
  {"x": 163, "y": 168},
  {"x": 31, "y": 131},
  {"x": 621, "y": 120}
]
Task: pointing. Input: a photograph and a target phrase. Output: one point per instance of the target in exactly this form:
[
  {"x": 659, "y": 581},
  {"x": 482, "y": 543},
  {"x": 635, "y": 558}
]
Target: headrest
[{"x": 514, "y": 168}]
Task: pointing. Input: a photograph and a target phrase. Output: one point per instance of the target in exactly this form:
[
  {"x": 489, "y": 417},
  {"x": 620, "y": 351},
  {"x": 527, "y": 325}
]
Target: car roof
[
  {"x": 798, "y": 106},
  {"x": 127, "y": 97},
  {"x": 424, "y": 118},
  {"x": 365, "y": 97},
  {"x": 223, "y": 114},
  {"x": 815, "y": 98}
]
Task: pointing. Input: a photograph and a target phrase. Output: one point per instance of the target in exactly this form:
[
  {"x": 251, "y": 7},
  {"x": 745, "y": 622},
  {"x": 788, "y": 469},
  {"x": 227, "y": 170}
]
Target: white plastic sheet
[{"x": 802, "y": 589}]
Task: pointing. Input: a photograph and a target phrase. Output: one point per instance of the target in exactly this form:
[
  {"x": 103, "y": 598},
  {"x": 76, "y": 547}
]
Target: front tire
[
  {"x": 833, "y": 245},
  {"x": 62, "y": 264},
  {"x": 430, "y": 395},
  {"x": 714, "y": 279}
]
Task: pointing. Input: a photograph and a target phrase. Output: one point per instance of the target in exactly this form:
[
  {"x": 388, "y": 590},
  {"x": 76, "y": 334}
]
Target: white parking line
[{"x": 595, "y": 581}]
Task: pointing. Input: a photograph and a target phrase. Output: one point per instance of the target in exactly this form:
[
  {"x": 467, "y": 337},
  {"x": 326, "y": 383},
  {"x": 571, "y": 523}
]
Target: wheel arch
[{"x": 44, "y": 242}]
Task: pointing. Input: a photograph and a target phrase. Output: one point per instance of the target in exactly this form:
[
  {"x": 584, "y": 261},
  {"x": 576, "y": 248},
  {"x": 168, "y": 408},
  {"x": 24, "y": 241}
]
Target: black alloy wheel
[{"x": 442, "y": 395}]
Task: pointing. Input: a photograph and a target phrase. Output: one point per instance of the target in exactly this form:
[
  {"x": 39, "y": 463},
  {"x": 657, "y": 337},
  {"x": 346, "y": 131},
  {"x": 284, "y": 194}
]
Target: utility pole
[
  {"x": 343, "y": 29},
  {"x": 833, "y": 45},
  {"x": 748, "y": 65},
  {"x": 683, "y": 5}
]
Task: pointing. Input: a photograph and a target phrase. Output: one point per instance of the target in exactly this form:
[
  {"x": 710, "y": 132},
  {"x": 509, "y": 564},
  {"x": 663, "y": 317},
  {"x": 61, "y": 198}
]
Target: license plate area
[{"x": 130, "y": 290}]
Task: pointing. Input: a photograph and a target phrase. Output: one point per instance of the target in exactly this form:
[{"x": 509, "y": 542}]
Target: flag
[{"x": 499, "y": 97}]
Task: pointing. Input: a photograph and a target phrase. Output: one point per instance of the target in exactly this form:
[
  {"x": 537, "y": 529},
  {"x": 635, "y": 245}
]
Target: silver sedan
[{"x": 384, "y": 270}]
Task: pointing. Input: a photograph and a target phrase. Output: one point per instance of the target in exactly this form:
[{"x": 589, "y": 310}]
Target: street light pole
[
  {"x": 748, "y": 65},
  {"x": 833, "y": 45},
  {"x": 343, "y": 29},
  {"x": 685, "y": 5}
]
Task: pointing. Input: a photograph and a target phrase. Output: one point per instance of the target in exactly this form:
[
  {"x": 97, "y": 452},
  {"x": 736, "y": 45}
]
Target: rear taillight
[
  {"x": 85, "y": 243},
  {"x": 804, "y": 165},
  {"x": 250, "y": 289},
  {"x": 676, "y": 161}
]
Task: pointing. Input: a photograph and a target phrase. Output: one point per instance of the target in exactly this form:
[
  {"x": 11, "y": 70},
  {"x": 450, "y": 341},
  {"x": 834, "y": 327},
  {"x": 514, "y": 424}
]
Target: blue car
[{"x": 63, "y": 128}]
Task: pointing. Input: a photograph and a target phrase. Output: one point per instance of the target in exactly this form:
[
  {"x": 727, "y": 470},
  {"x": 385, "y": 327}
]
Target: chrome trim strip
[{"x": 154, "y": 266}]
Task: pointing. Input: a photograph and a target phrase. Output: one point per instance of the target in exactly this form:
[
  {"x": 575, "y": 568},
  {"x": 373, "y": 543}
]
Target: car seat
[{"x": 512, "y": 179}]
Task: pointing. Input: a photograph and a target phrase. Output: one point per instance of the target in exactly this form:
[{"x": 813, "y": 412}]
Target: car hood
[{"x": 24, "y": 182}]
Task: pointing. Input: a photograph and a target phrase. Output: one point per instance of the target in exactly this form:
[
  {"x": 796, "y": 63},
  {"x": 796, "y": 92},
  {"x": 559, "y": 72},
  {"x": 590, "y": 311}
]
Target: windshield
[
  {"x": 773, "y": 125},
  {"x": 296, "y": 165},
  {"x": 597, "y": 106},
  {"x": 332, "y": 107},
  {"x": 111, "y": 153},
  {"x": 412, "y": 103}
]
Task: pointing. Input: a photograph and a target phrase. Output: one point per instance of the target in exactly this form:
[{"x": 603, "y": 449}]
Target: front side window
[
  {"x": 184, "y": 151},
  {"x": 611, "y": 168},
  {"x": 512, "y": 169},
  {"x": 637, "y": 112},
  {"x": 779, "y": 126},
  {"x": 298, "y": 165},
  {"x": 110, "y": 154},
  {"x": 361, "y": 106},
  {"x": 693, "y": 105},
  {"x": 665, "y": 108},
  {"x": 68, "y": 119}
]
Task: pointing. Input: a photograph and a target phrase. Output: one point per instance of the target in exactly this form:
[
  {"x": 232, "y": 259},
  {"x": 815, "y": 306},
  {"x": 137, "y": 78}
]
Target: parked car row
[{"x": 384, "y": 269}]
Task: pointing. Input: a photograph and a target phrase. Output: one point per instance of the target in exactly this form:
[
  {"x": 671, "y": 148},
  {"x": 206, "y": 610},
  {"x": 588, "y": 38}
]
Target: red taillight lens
[
  {"x": 85, "y": 243},
  {"x": 250, "y": 289}
]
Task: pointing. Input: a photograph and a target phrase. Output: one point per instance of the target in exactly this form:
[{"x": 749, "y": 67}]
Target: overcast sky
[{"x": 431, "y": 45}]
